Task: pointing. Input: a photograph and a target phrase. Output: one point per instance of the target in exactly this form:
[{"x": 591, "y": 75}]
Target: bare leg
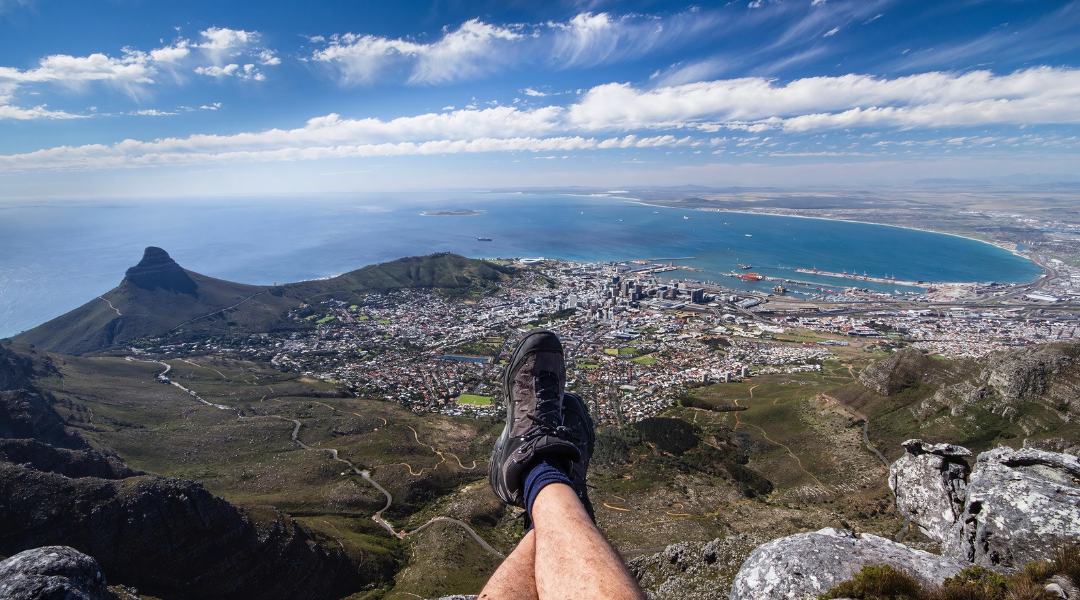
[
  {"x": 573, "y": 560},
  {"x": 514, "y": 578}
]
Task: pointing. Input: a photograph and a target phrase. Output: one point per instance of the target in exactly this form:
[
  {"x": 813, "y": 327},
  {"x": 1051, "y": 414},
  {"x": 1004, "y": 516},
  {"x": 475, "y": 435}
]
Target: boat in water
[
  {"x": 744, "y": 267},
  {"x": 483, "y": 239},
  {"x": 749, "y": 235}
]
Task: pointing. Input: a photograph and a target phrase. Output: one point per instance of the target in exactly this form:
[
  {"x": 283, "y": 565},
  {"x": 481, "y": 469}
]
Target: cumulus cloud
[
  {"x": 248, "y": 71},
  {"x": 531, "y": 92},
  {"x": 135, "y": 70},
  {"x": 927, "y": 100}
]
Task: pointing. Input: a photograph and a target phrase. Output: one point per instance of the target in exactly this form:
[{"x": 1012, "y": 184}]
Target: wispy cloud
[
  {"x": 472, "y": 49},
  {"x": 477, "y": 48}
]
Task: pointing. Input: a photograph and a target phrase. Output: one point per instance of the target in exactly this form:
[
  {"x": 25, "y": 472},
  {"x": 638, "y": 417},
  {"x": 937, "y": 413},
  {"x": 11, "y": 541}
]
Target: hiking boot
[
  {"x": 533, "y": 384},
  {"x": 576, "y": 418}
]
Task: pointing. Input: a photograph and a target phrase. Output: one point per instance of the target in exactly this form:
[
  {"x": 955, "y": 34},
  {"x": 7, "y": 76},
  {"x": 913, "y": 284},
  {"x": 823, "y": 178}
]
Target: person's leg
[
  {"x": 514, "y": 578},
  {"x": 573, "y": 560}
]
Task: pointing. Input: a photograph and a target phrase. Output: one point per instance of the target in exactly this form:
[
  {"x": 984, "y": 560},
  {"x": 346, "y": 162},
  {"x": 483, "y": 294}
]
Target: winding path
[
  {"x": 865, "y": 428},
  {"x": 110, "y": 306},
  {"x": 366, "y": 475}
]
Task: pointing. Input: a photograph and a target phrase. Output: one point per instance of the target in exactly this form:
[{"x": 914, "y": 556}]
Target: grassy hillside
[
  {"x": 443, "y": 271},
  {"x": 157, "y": 296}
]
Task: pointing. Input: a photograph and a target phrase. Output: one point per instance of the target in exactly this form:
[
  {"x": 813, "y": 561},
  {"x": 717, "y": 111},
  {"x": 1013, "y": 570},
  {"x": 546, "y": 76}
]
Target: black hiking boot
[
  {"x": 533, "y": 385},
  {"x": 577, "y": 420}
]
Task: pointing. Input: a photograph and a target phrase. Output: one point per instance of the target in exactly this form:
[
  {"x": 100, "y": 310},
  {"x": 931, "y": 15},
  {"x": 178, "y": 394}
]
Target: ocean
[{"x": 57, "y": 255}]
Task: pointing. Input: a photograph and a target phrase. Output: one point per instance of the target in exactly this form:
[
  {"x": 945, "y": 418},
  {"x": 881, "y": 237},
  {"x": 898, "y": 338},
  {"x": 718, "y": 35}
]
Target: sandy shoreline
[{"x": 770, "y": 214}]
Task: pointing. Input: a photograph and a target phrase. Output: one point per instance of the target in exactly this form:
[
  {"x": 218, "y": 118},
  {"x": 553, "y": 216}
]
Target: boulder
[
  {"x": 693, "y": 570},
  {"x": 801, "y": 566},
  {"x": 901, "y": 370},
  {"x": 930, "y": 482},
  {"x": 1019, "y": 505},
  {"x": 52, "y": 573}
]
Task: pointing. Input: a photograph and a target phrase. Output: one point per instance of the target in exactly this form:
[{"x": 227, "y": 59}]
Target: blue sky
[{"x": 139, "y": 97}]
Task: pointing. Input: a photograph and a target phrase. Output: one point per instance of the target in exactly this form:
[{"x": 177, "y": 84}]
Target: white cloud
[
  {"x": 248, "y": 71},
  {"x": 927, "y": 100},
  {"x": 531, "y": 92},
  {"x": 266, "y": 57},
  {"x": 873, "y": 18},
  {"x": 817, "y": 2},
  {"x": 469, "y": 50},
  {"x": 150, "y": 112},
  {"x": 37, "y": 112},
  {"x": 831, "y": 32},
  {"x": 213, "y": 106}
]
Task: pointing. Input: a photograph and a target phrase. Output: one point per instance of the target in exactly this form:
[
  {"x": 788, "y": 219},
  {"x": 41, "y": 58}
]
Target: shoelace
[{"x": 547, "y": 390}]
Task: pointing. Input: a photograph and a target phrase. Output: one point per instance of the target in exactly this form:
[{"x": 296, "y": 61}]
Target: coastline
[{"x": 772, "y": 214}]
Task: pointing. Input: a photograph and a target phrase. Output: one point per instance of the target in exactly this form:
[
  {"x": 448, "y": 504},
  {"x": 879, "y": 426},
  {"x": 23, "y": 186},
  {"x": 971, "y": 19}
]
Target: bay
[{"x": 57, "y": 255}]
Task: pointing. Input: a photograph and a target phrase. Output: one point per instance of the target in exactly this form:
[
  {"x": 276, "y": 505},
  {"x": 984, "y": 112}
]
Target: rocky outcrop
[
  {"x": 799, "y": 567},
  {"x": 52, "y": 573},
  {"x": 70, "y": 463},
  {"x": 692, "y": 570},
  {"x": 930, "y": 484},
  {"x": 28, "y": 414},
  {"x": 1019, "y": 504},
  {"x": 1049, "y": 373},
  {"x": 24, "y": 411},
  {"x": 15, "y": 370},
  {"x": 158, "y": 270},
  {"x": 903, "y": 369},
  {"x": 171, "y": 538}
]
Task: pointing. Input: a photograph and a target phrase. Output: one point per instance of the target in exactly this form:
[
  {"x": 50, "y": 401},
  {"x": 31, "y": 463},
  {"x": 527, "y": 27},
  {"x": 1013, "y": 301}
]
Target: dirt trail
[
  {"x": 111, "y": 306},
  {"x": 865, "y": 427},
  {"x": 793, "y": 455},
  {"x": 294, "y": 436}
]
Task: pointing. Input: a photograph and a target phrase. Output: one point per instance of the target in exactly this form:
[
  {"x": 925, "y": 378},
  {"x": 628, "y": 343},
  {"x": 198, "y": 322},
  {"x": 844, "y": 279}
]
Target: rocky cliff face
[
  {"x": 158, "y": 270},
  {"x": 70, "y": 463},
  {"x": 169, "y": 537},
  {"x": 930, "y": 484},
  {"x": 1019, "y": 503},
  {"x": 1049, "y": 373}
]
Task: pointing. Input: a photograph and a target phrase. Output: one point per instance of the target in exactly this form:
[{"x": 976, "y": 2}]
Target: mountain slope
[
  {"x": 158, "y": 296},
  {"x": 155, "y": 296}
]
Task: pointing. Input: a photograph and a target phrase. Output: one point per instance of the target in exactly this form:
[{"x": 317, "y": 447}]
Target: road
[{"x": 295, "y": 437}]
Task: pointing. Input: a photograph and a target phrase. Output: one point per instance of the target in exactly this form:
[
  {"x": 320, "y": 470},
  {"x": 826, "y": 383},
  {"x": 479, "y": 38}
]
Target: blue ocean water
[{"x": 57, "y": 255}]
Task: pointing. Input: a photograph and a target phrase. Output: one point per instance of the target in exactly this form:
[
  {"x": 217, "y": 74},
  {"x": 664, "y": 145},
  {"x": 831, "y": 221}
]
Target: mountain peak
[{"x": 158, "y": 270}]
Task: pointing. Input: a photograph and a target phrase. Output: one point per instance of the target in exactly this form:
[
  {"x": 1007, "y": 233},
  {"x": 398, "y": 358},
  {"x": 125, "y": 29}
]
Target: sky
[{"x": 200, "y": 98}]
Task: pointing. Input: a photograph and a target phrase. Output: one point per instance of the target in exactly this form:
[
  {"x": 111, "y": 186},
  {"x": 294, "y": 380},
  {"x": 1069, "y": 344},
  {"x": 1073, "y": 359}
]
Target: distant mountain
[{"x": 158, "y": 296}]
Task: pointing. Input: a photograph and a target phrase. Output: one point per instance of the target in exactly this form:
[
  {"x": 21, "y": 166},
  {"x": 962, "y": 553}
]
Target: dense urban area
[{"x": 636, "y": 340}]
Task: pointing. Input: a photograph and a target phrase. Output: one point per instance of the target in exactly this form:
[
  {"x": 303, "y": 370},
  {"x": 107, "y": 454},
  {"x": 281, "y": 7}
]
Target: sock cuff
[{"x": 543, "y": 472}]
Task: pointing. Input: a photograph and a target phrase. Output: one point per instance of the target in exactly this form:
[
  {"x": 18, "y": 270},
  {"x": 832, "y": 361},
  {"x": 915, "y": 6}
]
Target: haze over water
[{"x": 55, "y": 256}]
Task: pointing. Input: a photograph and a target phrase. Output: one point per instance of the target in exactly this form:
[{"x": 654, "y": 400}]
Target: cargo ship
[{"x": 751, "y": 277}]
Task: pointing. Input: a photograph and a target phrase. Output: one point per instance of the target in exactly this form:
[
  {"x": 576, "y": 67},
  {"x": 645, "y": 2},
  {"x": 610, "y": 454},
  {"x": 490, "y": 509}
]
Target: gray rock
[
  {"x": 930, "y": 483},
  {"x": 52, "y": 573},
  {"x": 693, "y": 570},
  {"x": 799, "y": 567},
  {"x": 1019, "y": 505}
]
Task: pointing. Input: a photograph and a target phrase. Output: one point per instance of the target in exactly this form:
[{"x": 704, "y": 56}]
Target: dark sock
[{"x": 543, "y": 472}]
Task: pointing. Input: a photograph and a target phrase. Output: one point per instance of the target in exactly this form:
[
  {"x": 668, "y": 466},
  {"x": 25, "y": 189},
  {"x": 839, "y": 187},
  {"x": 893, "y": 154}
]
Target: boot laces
[{"x": 545, "y": 418}]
